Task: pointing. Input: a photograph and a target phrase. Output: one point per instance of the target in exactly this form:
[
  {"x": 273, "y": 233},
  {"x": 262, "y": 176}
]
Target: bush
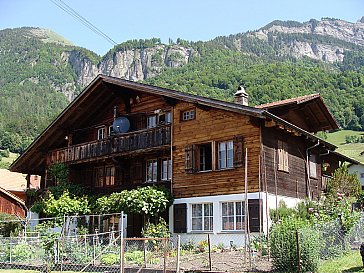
[
  {"x": 110, "y": 258},
  {"x": 11, "y": 226},
  {"x": 284, "y": 246},
  {"x": 159, "y": 230}
]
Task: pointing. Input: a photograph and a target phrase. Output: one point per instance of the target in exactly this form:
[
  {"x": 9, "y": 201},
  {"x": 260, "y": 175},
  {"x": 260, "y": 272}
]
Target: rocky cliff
[
  {"x": 324, "y": 40},
  {"x": 130, "y": 64}
]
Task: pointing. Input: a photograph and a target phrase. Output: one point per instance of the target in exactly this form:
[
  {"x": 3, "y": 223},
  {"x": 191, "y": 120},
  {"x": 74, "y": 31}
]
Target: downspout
[{"x": 308, "y": 168}]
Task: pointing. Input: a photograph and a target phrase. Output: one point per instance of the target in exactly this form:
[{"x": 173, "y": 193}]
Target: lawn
[
  {"x": 6, "y": 161},
  {"x": 351, "y": 150},
  {"x": 348, "y": 263}
]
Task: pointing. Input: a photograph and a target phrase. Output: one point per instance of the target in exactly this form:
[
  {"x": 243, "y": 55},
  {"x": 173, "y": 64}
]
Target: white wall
[
  {"x": 359, "y": 170},
  {"x": 268, "y": 201}
]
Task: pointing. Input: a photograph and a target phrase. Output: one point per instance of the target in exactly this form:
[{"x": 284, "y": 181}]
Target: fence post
[
  {"x": 121, "y": 235},
  {"x": 209, "y": 245},
  {"x": 178, "y": 253},
  {"x": 298, "y": 252},
  {"x": 10, "y": 248}
]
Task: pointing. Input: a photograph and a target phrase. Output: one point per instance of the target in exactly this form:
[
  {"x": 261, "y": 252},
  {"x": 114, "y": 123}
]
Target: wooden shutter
[
  {"x": 189, "y": 158},
  {"x": 180, "y": 218},
  {"x": 255, "y": 212},
  {"x": 285, "y": 156},
  {"x": 238, "y": 151}
]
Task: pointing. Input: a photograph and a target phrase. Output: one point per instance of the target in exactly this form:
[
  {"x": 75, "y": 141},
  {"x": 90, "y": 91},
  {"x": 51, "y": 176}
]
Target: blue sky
[{"x": 189, "y": 19}]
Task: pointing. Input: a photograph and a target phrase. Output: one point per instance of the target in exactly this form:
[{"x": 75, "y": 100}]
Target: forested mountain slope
[{"x": 41, "y": 72}]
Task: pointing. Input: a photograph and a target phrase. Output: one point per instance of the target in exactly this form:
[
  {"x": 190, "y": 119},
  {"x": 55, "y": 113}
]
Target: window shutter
[
  {"x": 255, "y": 211},
  {"x": 180, "y": 218},
  {"x": 285, "y": 151},
  {"x": 189, "y": 158},
  {"x": 280, "y": 155},
  {"x": 238, "y": 151}
]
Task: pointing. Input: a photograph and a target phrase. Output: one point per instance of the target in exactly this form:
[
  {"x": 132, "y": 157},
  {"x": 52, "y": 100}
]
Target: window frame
[
  {"x": 99, "y": 177},
  {"x": 166, "y": 174},
  {"x": 205, "y": 219},
  {"x": 101, "y": 133},
  {"x": 189, "y": 114},
  {"x": 313, "y": 166},
  {"x": 234, "y": 215},
  {"x": 152, "y": 121},
  {"x": 109, "y": 176},
  {"x": 229, "y": 148},
  {"x": 154, "y": 167}
]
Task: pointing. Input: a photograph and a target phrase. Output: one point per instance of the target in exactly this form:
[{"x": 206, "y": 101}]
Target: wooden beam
[{"x": 270, "y": 123}]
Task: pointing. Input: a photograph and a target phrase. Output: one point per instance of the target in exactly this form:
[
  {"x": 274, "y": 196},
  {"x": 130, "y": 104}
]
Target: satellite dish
[{"x": 121, "y": 125}]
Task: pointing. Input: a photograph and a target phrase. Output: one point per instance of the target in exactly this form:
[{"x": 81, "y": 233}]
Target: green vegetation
[
  {"x": 351, "y": 150},
  {"x": 347, "y": 263},
  {"x": 318, "y": 226}
]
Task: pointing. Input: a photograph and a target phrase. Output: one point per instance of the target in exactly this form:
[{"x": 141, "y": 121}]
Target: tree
[{"x": 343, "y": 183}]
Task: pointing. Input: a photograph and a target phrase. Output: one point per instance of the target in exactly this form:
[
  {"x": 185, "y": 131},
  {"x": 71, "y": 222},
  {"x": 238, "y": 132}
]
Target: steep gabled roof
[
  {"x": 309, "y": 112},
  {"x": 100, "y": 92},
  {"x": 297, "y": 100}
]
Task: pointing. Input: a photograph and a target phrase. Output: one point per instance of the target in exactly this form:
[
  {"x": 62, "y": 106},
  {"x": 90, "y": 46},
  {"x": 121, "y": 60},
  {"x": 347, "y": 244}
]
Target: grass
[
  {"x": 351, "y": 150},
  {"x": 345, "y": 264},
  {"x": 6, "y": 161}
]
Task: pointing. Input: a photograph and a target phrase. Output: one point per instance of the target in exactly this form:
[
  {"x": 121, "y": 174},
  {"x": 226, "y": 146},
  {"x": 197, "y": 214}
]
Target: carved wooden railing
[{"x": 133, "y": 141}]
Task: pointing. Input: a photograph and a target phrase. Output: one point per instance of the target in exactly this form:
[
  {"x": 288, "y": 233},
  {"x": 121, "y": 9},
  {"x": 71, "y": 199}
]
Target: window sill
[
  {"x": 216, "y": 170},
  {"x": 200, "y": 232},
  {"x": 231, "y": 231}
]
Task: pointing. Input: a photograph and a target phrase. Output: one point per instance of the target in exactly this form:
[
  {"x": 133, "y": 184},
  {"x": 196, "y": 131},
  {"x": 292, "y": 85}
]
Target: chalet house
[{"x": 225, "y": 163}]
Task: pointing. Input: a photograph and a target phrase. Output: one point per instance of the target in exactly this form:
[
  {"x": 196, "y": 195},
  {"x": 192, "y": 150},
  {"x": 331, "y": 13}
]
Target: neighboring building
[
  {"x": 119, "y": 135},
  {"x": 359, "y": 170},
  {"x": 13, "y": 186}
]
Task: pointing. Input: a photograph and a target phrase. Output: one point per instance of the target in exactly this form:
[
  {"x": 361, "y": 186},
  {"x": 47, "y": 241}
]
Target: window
[
  {"x": 362, "y": 175},
  {"x": 226, "y": 155},
  {"x": 283, "y": 156},
  {"x": 205, "y": 157},
  {"x": 313, "y": 166},
  {"x": 110, "y": 131},
  {"x": 152, "y": 121},
  {"x": 109, "y": 176},
  {"x": 211, "y": 156},
  {"x": 233, "y": 215},
  {"x": 188, "y": 115},
  {"x": 166, "y": 169},
  {"x": 202, "y": 217},
  {"x": 101, "y": 133},
  {"x": 152, "y": 166},
  {"x": 99, "y": 177},
  {"x": 165, "y": 118}
]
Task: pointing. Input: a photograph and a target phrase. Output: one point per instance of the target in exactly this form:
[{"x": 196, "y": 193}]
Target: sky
[{"x": 191, "y": 20}]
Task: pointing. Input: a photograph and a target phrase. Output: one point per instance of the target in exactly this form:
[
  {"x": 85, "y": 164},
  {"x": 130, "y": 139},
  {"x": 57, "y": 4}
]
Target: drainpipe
[{"x": 308, "y": 168}]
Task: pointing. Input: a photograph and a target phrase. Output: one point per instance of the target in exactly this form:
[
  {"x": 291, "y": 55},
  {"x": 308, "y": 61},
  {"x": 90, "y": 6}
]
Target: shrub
[
  {"x": 159, "y": 230},
  {"x": 284, "y": 246},
  {"x": 110, "y": 258},
  {"x": 9, "y": 224}
]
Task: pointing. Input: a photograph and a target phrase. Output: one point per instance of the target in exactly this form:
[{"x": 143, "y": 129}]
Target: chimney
[{"x": 241, "y": 97}]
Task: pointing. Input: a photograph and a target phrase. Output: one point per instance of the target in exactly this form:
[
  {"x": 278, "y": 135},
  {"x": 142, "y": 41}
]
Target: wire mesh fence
[{"x": 83, "y": 244}]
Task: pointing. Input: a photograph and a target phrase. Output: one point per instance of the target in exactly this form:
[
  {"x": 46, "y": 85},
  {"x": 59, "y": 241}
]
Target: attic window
[{"x": 188, "y": 115}]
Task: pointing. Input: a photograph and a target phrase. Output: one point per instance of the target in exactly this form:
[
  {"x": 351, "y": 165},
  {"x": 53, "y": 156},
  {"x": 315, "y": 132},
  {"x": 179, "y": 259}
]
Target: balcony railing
[{"x": 129, "y": 142}]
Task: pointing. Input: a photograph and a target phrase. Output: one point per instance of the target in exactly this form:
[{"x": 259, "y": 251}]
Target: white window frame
[
  {"x": 101, "y": 133},
  {"x": 166, "y": 169},
  {"x": 189, "y": 114},
  {"x": 110, "y": 130},
  {"x": 225, "y": 155},
  {"x": 234, "y": 215},
  {"x": 206, "y": 219},
  {"x": 152, "y": 121},
  {"x": 151, "y": 170}
]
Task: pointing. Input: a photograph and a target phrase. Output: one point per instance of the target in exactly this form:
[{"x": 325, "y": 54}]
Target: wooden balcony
[{"x": 121, "y": 144}]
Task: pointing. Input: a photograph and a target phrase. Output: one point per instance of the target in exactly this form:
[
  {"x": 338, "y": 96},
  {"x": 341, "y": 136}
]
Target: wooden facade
[
  {"x": 11, "y": 204},
  {"x": 194, "y": 146}
]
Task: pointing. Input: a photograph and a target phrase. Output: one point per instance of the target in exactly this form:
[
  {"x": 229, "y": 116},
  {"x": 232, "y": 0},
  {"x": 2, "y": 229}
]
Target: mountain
[{"x": 41, "y": 72}]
